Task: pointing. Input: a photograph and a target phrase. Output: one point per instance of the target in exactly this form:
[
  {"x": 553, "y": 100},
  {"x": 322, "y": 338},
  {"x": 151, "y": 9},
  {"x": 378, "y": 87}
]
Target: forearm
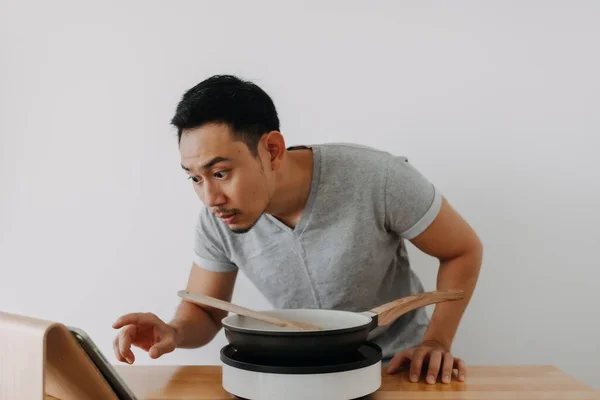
[
  {"x": 194, "y": 326},
  {"x": 458, "y": 273}
]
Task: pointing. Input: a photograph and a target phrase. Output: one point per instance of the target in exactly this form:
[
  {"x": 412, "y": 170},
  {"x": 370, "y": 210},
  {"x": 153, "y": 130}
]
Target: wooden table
[{"x": 503, "y": 382}]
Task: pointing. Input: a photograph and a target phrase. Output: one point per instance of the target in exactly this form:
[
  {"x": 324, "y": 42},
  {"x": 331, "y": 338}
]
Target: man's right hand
[
  {"x": 191, "y": 327},
  {"x": 146, "y": 331}
]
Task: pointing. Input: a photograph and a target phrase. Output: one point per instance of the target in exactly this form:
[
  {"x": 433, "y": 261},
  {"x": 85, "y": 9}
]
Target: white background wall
[{"x": 496, "y": 102}]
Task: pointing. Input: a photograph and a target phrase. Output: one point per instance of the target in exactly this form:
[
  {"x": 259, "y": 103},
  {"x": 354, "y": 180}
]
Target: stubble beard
[{"x": 249, "y": 228}]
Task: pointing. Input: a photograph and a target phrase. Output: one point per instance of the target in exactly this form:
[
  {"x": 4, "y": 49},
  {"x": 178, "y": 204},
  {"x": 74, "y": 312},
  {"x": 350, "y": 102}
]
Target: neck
[{"x": 294, "y": 180}]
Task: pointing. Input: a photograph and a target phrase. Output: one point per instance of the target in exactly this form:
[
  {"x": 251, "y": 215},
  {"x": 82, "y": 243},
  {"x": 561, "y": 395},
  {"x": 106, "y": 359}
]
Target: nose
[{"x": 213, "y": 195}]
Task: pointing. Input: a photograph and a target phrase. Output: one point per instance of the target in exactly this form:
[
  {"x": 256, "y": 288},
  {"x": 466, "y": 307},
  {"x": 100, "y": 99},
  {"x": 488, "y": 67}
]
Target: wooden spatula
[
  {"x": 389, "y": 312},
  {"x": 246, "y": 312}
]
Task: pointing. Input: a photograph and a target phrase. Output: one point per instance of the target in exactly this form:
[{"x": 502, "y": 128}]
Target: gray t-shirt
[{"x": 348, "y": 249}]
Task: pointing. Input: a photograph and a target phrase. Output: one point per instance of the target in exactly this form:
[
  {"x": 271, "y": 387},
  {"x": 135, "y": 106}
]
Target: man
[{"x": 320, "y": 226}]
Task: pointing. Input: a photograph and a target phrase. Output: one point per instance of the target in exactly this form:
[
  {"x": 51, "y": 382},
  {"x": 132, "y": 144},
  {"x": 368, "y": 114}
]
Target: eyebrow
[{"x": 209, "y": 164}]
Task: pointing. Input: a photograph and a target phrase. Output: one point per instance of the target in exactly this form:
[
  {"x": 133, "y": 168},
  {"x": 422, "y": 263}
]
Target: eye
[
  {"x": 194, "y": 179},
  {"x": 220, "y": 174}
]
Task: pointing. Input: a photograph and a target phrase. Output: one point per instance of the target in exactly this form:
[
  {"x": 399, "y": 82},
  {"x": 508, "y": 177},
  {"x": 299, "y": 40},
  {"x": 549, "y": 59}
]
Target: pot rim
[{"x": 369, "y": 324}]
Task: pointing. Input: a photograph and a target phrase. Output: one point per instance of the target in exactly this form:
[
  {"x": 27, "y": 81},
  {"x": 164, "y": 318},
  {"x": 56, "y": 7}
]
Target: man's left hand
[{"x": 432, "y": 357}]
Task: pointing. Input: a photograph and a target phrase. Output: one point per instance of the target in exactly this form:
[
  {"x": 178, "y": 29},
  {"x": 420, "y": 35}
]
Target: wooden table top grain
[{"x": 483, "y": 382}]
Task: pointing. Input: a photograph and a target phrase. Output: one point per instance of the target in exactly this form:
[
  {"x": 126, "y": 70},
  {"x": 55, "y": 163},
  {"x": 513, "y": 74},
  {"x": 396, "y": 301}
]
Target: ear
[{"x": 274, "y": 144}]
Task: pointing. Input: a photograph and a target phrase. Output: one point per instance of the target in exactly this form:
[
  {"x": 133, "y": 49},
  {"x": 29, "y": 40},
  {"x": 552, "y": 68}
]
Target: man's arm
[
  {"x": 452, "y": 241},
  {"x": 418, "y": 212},
  {"x": 197, "y": 325}
]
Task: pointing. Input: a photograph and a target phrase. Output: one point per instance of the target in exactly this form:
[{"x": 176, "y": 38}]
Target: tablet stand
[{"x": 42, "y": 360}]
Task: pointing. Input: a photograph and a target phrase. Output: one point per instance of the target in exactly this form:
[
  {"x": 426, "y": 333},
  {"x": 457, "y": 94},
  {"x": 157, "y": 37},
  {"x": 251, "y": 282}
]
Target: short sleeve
[
  {"x": 208, "y": 250},
  {"x": 411, "y": 201}
]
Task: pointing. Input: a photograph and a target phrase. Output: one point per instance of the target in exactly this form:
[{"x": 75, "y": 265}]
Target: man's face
[{"x": 231, "y": 181}]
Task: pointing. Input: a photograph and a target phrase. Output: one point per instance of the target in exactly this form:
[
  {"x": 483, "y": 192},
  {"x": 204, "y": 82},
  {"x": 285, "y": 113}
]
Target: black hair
[{"x": 242, "y": 105}]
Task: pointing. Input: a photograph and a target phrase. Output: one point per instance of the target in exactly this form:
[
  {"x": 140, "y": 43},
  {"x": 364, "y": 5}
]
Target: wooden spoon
[{"x": 246, "y": 312}]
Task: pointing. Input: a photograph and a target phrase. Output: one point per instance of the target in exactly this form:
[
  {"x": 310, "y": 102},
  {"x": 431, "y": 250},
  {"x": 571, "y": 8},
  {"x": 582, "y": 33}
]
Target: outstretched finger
[
  {"x": 397, "y": 361},
  {"x": 435, "y": 360},
  {"x": 462, "y": 369},
  {"x": 134, "y": 318},
  {"x": 126, "y": 335},
  {"x": 447, "y": 365},
  {"x": 117, "y": 351},
  {"x": 417, "y": 363}
]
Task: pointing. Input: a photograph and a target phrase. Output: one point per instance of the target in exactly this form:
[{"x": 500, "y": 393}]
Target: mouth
[{"x": 227, "y": 218}]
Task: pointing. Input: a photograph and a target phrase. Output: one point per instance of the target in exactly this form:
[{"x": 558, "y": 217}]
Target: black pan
[{"x": 342, "y": 331}]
